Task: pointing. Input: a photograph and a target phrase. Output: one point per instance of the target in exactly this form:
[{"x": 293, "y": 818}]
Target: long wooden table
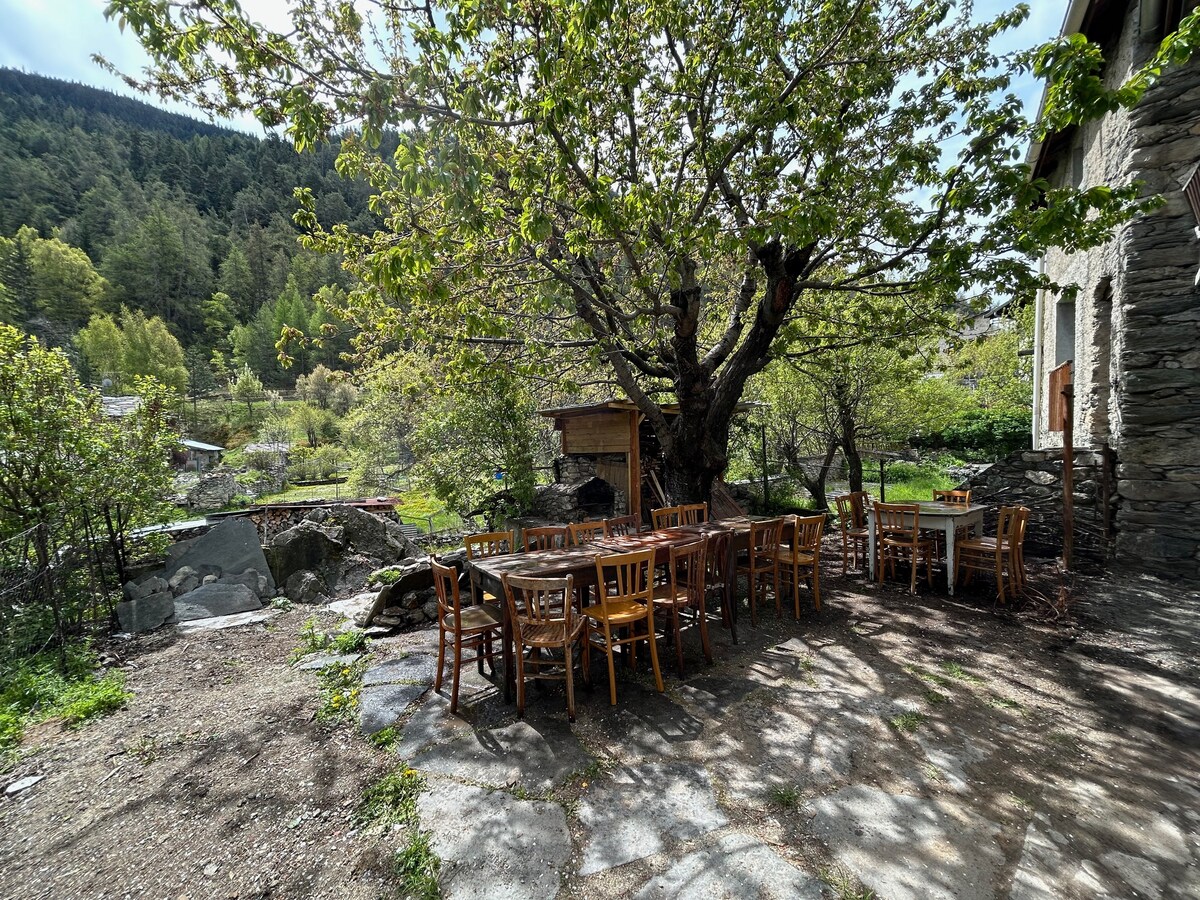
[
  {"x": 580, "y": 562},
  {"x": 947, "y": 517}
]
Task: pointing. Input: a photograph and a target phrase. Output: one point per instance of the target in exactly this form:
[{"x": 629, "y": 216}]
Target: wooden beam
[{"x": 634, "y": 459}]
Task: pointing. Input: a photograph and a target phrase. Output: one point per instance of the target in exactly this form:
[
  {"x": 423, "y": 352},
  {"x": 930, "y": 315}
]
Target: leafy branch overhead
[{"x": 682, "y": 185}]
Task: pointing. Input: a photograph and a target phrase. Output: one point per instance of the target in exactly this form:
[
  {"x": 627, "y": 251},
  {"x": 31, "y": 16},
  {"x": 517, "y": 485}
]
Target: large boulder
[
  {"x": 231, "y": 546},
  {"x": 309, "y": 545},
  {"x": 215, "y": 599},
  {"x": 305, "y": 587},
  {"x": 367, "y": 534},
  {"x": 146, "y": 613}
]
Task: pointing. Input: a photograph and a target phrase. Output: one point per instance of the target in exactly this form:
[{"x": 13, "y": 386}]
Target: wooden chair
[
  {"x": 852, "y": 524},
  {"x": 552, "y": 537},
  {"x": 693, "y": 514},
  {"x": 803, "y": 555},
  {"x": 762, "y": 561},
  {"x": 957, "y": 498},
  {"x": 685, "y": 590},
  {"x": 1002, "y": 555},
  {"x": 716, "y": 573},
  {"x": 665, "y": 517},
  {"x": 544, "y": 619},
  {"x": 471, "y": 628},
  {"x": 899, "y": 538},
  {"x": 625, "y": 601},
  {"x": 481, "y": 546},
  {"x": 622, "y": 526},
  {"x": 585, "y": 532}
]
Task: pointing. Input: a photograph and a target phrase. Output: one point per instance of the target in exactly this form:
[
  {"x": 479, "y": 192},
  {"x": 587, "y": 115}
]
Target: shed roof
[
  {"x": 119, "y": 407},
  {"x": 200, "y": 445},
  {"x": 616, "y": 406}
]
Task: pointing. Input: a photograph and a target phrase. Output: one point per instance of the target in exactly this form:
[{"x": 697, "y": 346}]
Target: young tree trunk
[{"x": 815, "y": 484}]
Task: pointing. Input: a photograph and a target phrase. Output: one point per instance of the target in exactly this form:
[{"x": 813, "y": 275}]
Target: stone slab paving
[
  {"x": 714, "y": 696},
  {"x": 219, "y": 623},
  {"x": 215, "y": 599},
  {"x": 317, "y": 661},
  {"x": 535, "y": 758},
  {"x": 736, "y": 866},
  {"x": 381, "y": 705},
  {"x": 431, "y": 723},
  {"x": 645, "y": 722},
  {"x": 909, "y": 848},
  {"x": 416, "y": 668},
  {"x": 494, "y": 846},
  {"x": 637, "y": 810}
]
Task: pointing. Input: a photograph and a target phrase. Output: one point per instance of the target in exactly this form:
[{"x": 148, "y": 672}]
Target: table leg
[
  {"x": 730, "y": 599},
  {"x": 871, "y": 561},
  {"x": 510, "y": 661},
  {"x": 950, "y": 531}
]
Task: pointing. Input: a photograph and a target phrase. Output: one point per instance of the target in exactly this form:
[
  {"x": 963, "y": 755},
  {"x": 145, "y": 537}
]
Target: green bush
[{"x": 984, "y": 434}]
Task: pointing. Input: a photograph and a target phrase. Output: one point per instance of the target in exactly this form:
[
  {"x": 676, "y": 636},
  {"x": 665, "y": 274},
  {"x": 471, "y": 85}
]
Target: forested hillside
[{"x": 110, "y": 207}]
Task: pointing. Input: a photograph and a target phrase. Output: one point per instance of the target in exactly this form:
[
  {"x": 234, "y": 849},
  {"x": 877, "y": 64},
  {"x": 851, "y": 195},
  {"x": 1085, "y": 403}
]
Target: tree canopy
[{"x": 660, "y": 191}]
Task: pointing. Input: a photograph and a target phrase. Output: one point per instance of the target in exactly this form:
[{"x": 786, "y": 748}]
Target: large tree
[{"x": 663, "y": 185}]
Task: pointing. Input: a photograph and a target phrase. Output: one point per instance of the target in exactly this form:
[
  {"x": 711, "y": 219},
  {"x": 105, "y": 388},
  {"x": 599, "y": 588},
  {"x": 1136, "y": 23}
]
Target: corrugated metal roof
[{"x": 200, "y": 445}]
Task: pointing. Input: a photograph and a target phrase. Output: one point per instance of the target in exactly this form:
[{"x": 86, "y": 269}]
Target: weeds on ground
[
  {"x": 1005, "y": 703},
  {"x": 341, "y": 687},
  {"x": 954, "y": 670},
  {"x": 845, "y": 885},
  {"x": 935, "y": 698},
  {"x": 392, "y": 801},
  {"x": 927, "y": 677},
  {"x": 315, "y": 640},
  {"x": 417, "y": 867},
  {"x": 785, "y": 796},
  {"x": 907, "y": 722},
  {"x": 37, "y": 689},
  {"x": 384, "y": 739}
]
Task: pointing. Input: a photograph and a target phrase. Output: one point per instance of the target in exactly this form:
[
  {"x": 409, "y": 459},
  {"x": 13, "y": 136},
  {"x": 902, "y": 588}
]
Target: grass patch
[
  {"x": 313, "y": 639},
  {"x": 393, "y": 799},
  {"x": 845, "y": 885},
  {"x": 36, "y": 689},
  {"x": 416, "y": 866},
  {"x": 341, "y": 687},
  {"x": 785, "y": 797},
  {"x": 1005, "y": 703},
  {"x": 927, "y": 676},
  {"x": 385, "y": 738},
  {"x": 958, "y": 673},
  {"x": 935, "y": 698},
  {"x": 906, "y": 722}
]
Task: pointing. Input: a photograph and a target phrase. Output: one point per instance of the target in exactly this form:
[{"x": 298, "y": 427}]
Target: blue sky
[{"x": 58, "y": 38}]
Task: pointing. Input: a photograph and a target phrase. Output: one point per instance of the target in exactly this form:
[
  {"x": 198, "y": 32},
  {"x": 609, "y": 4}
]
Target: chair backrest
[
  {"x": 585, "y": 532},
  {"x": 959, "y": 498},
  {"x": 539, "y": 601},
  {"x": 445, "y": 583},
  {"x": 624, "y": 576},
  {"x": 687, "y": 569},
  {"x": 716, "y": 562},
  {"x": 550, "y": 537},
  {"x": 1010, "y": 524},
  {"x": 665, "y": 517},
  {"x": 852, "y": 511},
  {"x": 808, "y": 531},
  {"x": 693, "y": 514},
  {"x": 892, "y": 521},
  {"x": 765, "y": 537},
  {"x": 488, "y": 543},
  {"x": 622, "y": 526}
]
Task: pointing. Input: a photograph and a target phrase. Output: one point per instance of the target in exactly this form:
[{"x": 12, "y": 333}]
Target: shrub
[{"x": 984, "y": 434}]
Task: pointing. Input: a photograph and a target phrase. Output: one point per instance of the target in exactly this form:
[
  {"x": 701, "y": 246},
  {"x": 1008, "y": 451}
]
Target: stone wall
[{"x": 1034, "y": 479}]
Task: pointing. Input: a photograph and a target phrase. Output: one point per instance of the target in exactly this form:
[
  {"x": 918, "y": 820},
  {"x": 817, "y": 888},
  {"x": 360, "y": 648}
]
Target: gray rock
[
  {"x": 304, "y": 587},
  {"x": 213, "y": 491},
  {"x": 218, "y": 599},
  {"x": 381, "y": 705},
  {"x": 908, "y": 848},
  {"x": 230, "y": 546},
  {"x": 430, "y": 610},
  {"x": 537, "y": 758},
  {"x": 630, "y": 815},
  {"x": 209, "y": 579},
  {"x": 146, "y": 587},
  {"x": 416, "y": 668},
  {"x": 351, "y": 574},
  {"x": 369, "y": 535},
  {"x": 308, "y": 545},
  {"x": 494, "y": 846},
  {"x": 146, "y": 613},
  {"x": 185, "y": 579},
  {"x": 22, "y": 784},
  {"x": 220, "y": 623},
  {"x": 736, "y": 866},
  {"x": 316, "y": 662}
]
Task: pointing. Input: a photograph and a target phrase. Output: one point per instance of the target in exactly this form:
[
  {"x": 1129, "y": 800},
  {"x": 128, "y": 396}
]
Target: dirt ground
[{"x": 217, "y": 781}]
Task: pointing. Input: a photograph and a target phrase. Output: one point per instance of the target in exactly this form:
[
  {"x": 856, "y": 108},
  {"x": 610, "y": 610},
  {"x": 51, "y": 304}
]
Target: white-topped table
[{"x": 934, "y": 515}]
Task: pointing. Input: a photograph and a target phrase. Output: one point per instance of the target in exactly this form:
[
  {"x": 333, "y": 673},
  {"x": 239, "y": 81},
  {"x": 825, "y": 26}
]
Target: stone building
[{"x": 1132, "y": 333}]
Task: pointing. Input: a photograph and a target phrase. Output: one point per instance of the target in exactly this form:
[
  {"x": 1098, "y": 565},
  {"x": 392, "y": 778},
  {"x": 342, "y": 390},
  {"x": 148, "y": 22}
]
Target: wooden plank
[
  {"x": 605, "y": 433},
  {"x": 1060, "y": 378}
]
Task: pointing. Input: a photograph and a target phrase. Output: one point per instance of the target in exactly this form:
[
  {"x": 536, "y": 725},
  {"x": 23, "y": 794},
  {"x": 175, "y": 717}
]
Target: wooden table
[
  {"x": 946, "y": 517},
  {"x": 580, "y": 562}
]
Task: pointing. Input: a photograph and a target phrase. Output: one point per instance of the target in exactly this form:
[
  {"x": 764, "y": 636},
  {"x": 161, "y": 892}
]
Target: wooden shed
[{"x": 625, "y": 449}]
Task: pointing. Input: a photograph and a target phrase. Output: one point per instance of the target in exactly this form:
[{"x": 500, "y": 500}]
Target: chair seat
[
  {"x": 476, "y": 618},
  {"x": 619, "y": 611},
  {"x": 858, "y": 532},
  {"x": 664, "y": 596},
  {"x": 550, "y": 634},
  {"x": 896, "y": 542},
  {"x": 787, "y": 555},
  {"x": 982, "y": 543}
]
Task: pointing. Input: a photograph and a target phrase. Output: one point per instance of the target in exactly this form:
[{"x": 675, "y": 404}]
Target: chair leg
[
  {"x": 441, "y": 663},
  {"x": 912, "y": 584},
  {"x": 796, "y": 589},
  {"x": 658, "y": 680},
  {"x": 678, "y": 638},
  {"x": 570, "y": 661},
  {"x": 703, "y": 613},
  {"x": 778, "y": 592},
  {"x": 612, "y": 669},
  {"x": 586, "y": 651},
  {"x": 753, "y": 597},
  {"x": 458, "y": 660},
  {"x": 520, "y": 654},
  {"x": 845, "y": 553},
  {"x": 1000, "y": 576},
  {"x": 816, "y": 582}
]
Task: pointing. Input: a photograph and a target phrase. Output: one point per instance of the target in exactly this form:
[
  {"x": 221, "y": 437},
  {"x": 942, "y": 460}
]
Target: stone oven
[{"x": 587, "y": 497}]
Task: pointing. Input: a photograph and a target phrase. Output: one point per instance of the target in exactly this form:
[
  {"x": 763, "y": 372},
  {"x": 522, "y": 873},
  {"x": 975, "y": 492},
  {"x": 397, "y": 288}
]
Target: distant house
[
  {"x": 1130, "y": 340},
  {"x": 200, "y": 457}
]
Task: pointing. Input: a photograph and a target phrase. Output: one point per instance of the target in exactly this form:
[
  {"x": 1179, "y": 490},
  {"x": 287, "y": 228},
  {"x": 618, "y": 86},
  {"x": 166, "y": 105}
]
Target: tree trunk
[{"x": 815, "y": 484}]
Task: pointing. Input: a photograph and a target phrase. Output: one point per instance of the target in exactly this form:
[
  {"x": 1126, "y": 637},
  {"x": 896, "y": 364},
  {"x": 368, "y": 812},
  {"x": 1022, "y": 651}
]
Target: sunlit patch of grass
[
  {"x": 845, "y": 885},
  {"x": 906, "y": 722},
  {"x": 935, "y": 698},
  {"x": 927, "y": 677},
  {"x": 393, "y": 799},
  {"x": 1005, "y": 703},
  {"x": 785, "y": 796},
  {"x": 417, "y": 867},
  {"x": 957, "y": 672}
]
